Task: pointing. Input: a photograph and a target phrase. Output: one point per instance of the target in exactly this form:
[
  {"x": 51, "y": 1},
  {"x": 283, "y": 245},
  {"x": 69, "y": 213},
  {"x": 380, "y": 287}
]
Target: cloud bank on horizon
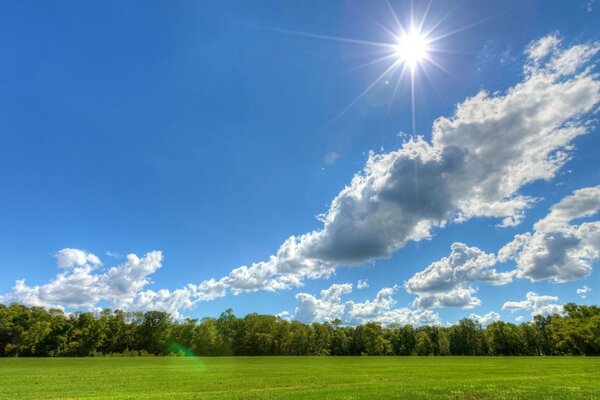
[{"x": 475, "y": 165}]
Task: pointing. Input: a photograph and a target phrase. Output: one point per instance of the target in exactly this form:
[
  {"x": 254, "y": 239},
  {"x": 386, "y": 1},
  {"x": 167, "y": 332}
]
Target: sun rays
[{"x": 412, "y": 48}]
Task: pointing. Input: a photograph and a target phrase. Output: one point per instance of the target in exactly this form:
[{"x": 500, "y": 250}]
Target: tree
[
  {"x": 341, "y": 339},
  {"x": 403, "y": 340},
  {"x": 365, "y": 339},
  {"x": 424, "y": 344},
  {"x": 119, "y": 333},
  {"x": 320, "y": 339},
  {"x": 228, "y": 327},
  {"x": 466, "y": 338},
  {"x": 153, "y": 333},
  {"x": 86, "y": 335}
]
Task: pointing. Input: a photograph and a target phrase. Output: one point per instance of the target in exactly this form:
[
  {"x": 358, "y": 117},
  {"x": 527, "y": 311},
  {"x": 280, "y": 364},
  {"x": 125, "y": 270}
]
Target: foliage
[{"x": 35, "y": 331}]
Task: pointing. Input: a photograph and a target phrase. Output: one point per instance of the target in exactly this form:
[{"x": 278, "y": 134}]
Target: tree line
[{"x": 39, "y": 332}]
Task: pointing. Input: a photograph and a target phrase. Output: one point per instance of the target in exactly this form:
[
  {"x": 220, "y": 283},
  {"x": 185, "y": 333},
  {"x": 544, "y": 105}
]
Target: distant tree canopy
[{"x": 39, "y": 332}]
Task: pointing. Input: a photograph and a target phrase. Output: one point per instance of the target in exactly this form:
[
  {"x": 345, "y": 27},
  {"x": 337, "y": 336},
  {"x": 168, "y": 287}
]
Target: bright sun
[
  {"x": 412, "y": 48},
  {"x": 408, "y": 52}
]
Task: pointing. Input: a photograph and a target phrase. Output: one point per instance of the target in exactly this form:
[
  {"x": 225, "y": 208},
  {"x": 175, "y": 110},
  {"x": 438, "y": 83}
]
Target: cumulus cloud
[
  {"x": 486, "y": 319},
  {"x": 583, "y": 291},
  {"x": 67, "y": 258},
  {"x": 81, "y": 286},
  {"x": 537, "y": 304},
  {"x": 329, "y": 306},
  {"x": 449, "y": 282},
  {"x": 557, "y": 249}
]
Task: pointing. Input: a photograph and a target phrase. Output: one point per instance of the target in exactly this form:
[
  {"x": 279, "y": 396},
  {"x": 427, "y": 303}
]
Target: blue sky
[{"x": 211, "y": 132}]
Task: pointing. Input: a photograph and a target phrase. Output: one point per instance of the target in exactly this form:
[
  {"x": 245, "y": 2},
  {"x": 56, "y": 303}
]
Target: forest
[{"x": 40, "y": 332}]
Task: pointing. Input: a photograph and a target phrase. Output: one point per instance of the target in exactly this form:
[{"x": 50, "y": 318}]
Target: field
[{"x": 301, "y": 378}]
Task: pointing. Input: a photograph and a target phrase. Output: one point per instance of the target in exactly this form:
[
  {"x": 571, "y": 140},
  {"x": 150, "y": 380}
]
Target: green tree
[{"x": 153, "y": 334}]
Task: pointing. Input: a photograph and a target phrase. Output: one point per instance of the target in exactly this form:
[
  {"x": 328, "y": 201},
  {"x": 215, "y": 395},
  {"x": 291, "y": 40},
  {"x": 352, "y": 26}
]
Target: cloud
[
  {"x": 362, "y": 284},
  {"x": 448, "y": 282},
  {"x": 559, "y": 250},
  {"x": 329, "y": 306},
  {"x": 537, "y": 304},
  {"x": 67, "y": 258},
  {"x": 80, "y": 286},
  {"x": 486, "y": 319},
  {"x": 583, "y": 291},
  {"x": 542, "y": 48},
  {"x": 326, "y": 308}
]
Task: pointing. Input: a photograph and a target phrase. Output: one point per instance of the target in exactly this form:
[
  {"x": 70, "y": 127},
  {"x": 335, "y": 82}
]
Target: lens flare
[{"x": 194, "y": 360}]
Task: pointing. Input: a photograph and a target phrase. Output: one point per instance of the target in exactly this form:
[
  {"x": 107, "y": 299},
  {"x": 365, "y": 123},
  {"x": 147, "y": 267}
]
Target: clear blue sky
[{"x": 211, "y": 132}]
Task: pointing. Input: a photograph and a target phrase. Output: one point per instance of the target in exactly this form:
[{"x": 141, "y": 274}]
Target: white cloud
[
  {"x": 362, "y": 284},
  {"x": 79, "y": 286},
  {"x": 520, "y": 318},
  {"x": 486, "y": 319},
  {"x": 448, "y": 282},
  {"x": 285, "y": 315},
  {"x": 164, "y": 300},
  {"x": 67, "y": 258},
  {"x": 537, "y": 304},
  {"x": 542, "y": 48},
  {"x": 557, "y": 249},
  {"x": 326, "y": 308},
  {"x": 329, "y": 306},
  {"x": 583, "y": 291}
]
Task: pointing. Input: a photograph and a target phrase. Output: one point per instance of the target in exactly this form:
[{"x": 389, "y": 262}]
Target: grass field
[{"x": 301, "y": 378}]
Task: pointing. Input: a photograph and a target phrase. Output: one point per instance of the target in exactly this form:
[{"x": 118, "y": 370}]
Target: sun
[
  {"x": 412, "y": 48},
  {"x": 407, "y": 55}
]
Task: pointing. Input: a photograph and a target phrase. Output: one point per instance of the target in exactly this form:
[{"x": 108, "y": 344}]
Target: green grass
[{"x": 456, "y": 378}]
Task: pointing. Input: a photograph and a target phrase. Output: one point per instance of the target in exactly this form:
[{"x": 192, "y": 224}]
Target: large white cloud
[
  {"x": 329, "y": 306},
  {"x": 449, "y": 282},
  {"x": 557, "y": 249},
  {"x": 474, "y": 166}
]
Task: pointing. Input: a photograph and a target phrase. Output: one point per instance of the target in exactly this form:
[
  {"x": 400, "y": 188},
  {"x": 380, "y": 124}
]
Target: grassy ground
[{"x": 456, "y": 378}]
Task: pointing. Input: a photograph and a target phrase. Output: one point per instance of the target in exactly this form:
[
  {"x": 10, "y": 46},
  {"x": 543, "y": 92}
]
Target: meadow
[{"x": 246, "y": 378}]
